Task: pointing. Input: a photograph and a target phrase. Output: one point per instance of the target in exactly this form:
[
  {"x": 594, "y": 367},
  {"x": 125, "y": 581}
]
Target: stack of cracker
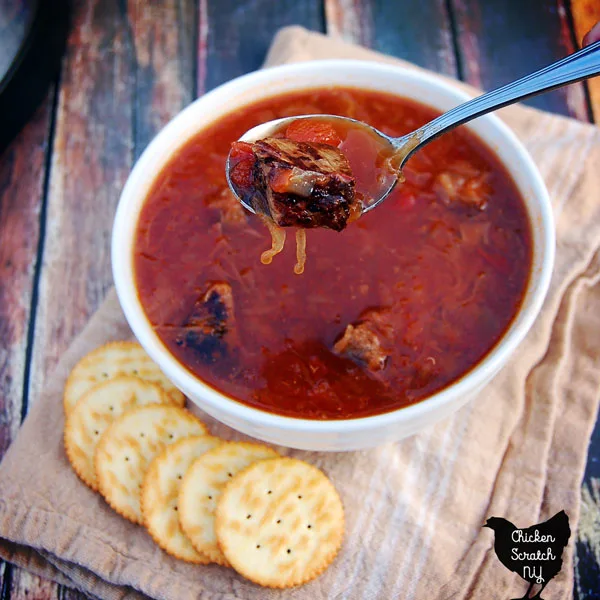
[{"x": 277, "y": 521}]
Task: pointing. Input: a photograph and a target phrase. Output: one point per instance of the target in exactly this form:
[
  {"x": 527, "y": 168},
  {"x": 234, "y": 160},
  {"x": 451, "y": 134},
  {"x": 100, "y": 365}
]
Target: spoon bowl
[
  {"x": 389, "y": 146},
  {"x": 580, "y": 65}
]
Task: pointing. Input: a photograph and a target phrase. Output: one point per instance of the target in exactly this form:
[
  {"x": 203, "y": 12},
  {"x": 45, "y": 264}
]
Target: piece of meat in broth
[
  {"x": 463, "y": 185},
  {"x": 367, "y": 341},
  {"x": 210, "y": 330},
  {"x": 301, "y": 184}
]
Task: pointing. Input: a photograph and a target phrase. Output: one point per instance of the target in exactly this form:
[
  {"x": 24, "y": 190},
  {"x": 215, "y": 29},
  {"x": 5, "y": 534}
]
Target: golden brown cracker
[
  {"x": 280, "y": 522},
  {"x": 202, "y": 485},
  {"x": 94, "y": 413},
  {"x": 110, "y": 360},
  {"x": 128, "y": 447},
  {"x": 160, "y": 494}
]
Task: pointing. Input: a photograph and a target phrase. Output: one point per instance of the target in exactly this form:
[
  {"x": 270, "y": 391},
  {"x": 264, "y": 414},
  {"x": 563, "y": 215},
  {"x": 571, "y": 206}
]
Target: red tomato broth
[{"x": 452, "y": 276}]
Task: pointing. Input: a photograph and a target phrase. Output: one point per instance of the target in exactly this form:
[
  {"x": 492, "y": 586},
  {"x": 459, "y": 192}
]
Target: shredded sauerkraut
[
  {"x": 278, "y": 242},
  {"x": 300, "y": 251}
]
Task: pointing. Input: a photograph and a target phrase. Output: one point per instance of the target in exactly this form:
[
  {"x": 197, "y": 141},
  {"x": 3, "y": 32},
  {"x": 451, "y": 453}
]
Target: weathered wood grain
[
  {"x": 586, "y": 13},
  {"x": 352, "y": 20},
  {"x": 234, "y": 35},
  {"x": 164, "y": 35},
  {"x": 587, "y": 566},
  {"x": 127, "y": 71},
  {"x": 68, "y": 594},
  {"x": 93, "y": 153},
  {"x": 420, "y": 32},
  {"x": 26, "y": 586},
  {"x": 22, "y": 171},
  {"x": 5, "y": 575},
  {"x": 499, "y": 41},
  {"x": 91, "y": 157}
]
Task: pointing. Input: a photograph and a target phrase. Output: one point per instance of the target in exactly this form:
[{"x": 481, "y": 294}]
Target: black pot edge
[{"x": 35, "y": 67}]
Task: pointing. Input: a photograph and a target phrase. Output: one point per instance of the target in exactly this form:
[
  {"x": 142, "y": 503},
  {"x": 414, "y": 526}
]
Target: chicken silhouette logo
[{"x": 534, "y": 553}]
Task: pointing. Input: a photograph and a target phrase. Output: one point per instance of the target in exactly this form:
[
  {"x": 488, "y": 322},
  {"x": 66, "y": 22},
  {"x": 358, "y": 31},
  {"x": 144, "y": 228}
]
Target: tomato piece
[
  {"x": 241, "y": 174},
  {"x": 241, "y": 151},
  {"x": 310, "y": 130},
  {"x": 242, "y": 163}
]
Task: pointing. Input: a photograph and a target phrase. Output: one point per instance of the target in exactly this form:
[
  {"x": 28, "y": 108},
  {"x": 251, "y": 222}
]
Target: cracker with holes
[
  {"x": 110, "y": 360},
  {"x": 280, "y": 522},
  {"x": 128, "y": 447},
  {"x": 202, "y": 486},
  {"x": 94, "y": 413},
  {"x": 160, "y": 494}
]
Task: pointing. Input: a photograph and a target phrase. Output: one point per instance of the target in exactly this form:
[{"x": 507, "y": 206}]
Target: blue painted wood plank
[
  {"x": 502, "y": 40},
  {"x": 420, "y": 32},
  {"x": 234, "y": 35}
]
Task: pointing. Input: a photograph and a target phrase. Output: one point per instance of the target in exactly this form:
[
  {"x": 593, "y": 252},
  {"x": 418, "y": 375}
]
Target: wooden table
[{"x": 131, "y": 66}]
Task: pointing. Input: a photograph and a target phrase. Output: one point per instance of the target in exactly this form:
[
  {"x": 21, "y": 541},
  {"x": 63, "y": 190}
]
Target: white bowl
[{"x": 351, "y": 434}]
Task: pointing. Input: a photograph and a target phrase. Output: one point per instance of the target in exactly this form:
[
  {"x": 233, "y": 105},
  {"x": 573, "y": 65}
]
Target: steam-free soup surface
[{"x": 404, "y": 301}]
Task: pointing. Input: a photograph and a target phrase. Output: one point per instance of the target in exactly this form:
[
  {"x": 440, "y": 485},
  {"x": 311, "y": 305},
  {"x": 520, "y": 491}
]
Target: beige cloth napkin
[{"x": 414, "y": 508}]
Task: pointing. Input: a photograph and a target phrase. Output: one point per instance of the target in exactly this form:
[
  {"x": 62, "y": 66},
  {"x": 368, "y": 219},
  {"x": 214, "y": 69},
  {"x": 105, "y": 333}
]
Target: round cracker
[
  {"x": 202, "y": 486},
  {"x": 110, "y": 360},
  {"x": 280, "y": 522},
  {"x": 160, "y": 493},
  {"x": 94, "y": 413},
  {"x": 129, "y": 445}
]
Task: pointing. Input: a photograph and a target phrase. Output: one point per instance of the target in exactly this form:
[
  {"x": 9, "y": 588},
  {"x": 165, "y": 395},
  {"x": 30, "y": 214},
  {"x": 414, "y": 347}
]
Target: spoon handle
[{"x": 575, "y": 67}]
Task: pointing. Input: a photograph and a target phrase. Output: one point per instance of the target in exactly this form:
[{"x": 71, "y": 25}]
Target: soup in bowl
[{"x": 394, "y": 323}]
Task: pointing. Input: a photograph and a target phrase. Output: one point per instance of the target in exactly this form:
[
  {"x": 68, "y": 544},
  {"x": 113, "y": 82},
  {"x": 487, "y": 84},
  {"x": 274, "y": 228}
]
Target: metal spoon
[{"x": 575, "y": 67}]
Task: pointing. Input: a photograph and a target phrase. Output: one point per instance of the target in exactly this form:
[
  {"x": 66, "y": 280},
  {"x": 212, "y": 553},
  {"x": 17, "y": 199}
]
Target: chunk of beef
[
  {"x": 462, "y": 188},
  {"x": 367, "y": 341},
  {"x": 213, "y": 310},
  {"x": 210, "y": 328},
  {"x": 300, "y": 184}
]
